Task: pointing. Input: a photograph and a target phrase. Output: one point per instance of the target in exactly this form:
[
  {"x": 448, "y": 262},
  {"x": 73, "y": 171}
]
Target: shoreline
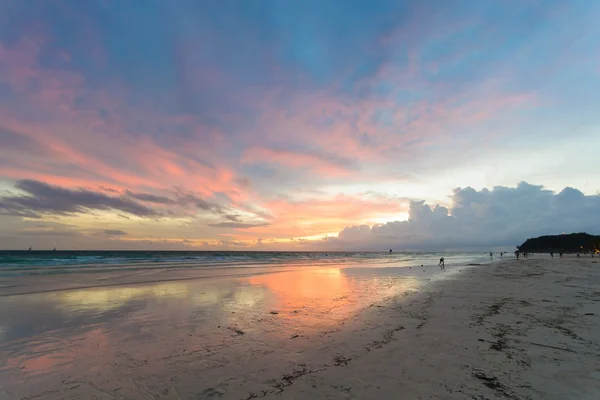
[{"x": 80, "y": 280}]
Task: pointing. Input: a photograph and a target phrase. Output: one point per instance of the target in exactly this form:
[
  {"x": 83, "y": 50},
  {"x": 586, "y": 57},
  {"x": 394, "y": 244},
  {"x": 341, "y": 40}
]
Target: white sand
[
  {"x": 519, "y": 330},
  {"x": 527, "y": 329}
]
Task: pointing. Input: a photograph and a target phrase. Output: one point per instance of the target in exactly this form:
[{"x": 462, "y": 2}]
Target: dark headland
[{"x": 571, "y": 243}]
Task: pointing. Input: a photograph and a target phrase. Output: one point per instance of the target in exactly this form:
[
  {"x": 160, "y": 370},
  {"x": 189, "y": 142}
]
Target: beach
[{"x": 515, "y": 329}]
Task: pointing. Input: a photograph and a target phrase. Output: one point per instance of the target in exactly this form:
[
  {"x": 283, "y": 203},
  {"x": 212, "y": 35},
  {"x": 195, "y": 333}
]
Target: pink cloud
[
  {"x": 329, "y": 122},
  {"x": 296, "y": 160},
  {"x": 76, "y": 135}
]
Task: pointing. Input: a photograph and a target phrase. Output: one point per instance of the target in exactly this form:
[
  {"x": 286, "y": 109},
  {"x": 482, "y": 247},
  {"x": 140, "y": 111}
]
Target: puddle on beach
[{"x": 106, "y": 337}]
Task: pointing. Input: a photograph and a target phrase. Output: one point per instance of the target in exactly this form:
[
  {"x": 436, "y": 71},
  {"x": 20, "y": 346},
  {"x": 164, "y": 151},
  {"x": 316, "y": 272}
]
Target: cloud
[
  {"x": 11, "y": 141},
  {"x": 232, "y": 217},
  {"x": 49, "y": 233},
  {"x": 114, "y": 232},
  {"x": 299, "y": 159},
  {"x": 149, "y": 198},
  {"x": 185, "y": 197},
  {"x": 16, "y": 211},
  {"x": 41, "y": 198},
  {"x": 238, "y": 225},
  {"x": 110, "y": 190},
  {"x": 503, "y": 216},
  {"x": 38, "y": 199}
]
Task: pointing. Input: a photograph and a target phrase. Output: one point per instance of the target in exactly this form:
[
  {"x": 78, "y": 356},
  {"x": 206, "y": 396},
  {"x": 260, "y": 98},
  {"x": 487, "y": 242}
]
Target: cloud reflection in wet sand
[{"x": 102, "y": 338}]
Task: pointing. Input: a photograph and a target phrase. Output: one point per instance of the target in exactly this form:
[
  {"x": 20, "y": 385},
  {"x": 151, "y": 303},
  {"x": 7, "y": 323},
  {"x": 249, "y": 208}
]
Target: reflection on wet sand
[
  {"x": 107, "y": 298},
  {"x": 309, "y": 284},
  {"x": 102, "y": 340},
  {"x": 299, "y": 289},
  {"x": 50, "y": 355}
]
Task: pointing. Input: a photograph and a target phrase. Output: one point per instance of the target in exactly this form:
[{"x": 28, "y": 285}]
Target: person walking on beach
[
  {"x": 491, "y": 255},
  {"x": 442, "y": 264},
  {"x": 517, "y": 254}
]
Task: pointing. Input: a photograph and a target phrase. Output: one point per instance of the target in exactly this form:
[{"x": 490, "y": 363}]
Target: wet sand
[{"x": 514, "y": 329}]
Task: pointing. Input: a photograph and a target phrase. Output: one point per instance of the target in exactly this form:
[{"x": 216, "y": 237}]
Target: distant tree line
[{"x": 571, "y": 243}]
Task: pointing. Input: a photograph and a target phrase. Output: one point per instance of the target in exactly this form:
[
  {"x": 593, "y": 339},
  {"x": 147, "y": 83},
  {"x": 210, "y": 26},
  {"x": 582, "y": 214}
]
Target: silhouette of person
[
  {"x": 491, "y": 255},
  {"x": 517, "y": 254},
  {"x": 552, "y": 254},
  {"x": 442, "y": 264}
]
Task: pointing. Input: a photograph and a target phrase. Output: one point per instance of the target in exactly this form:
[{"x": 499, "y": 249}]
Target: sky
[{"x": 284, "y": 125}]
